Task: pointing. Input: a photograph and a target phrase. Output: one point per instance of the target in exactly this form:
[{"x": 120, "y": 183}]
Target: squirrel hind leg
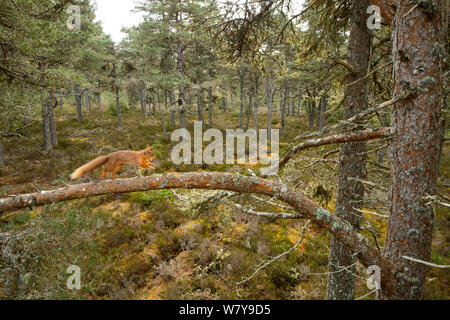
[{"x": 113, "y": 173}]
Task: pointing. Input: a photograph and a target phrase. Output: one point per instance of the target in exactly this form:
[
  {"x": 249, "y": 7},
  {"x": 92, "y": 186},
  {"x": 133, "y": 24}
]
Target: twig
[
  {"x": 268, "y": 214},
  {"x": 367, "y": 294},
  {"x": 352, "y": 119},
  {"x": 371, "y": 212},
  {"x": 426, "y": 263},
  {"x": 410, "y": 10},
  {"x": 303, "y": 233},
  {"x": 369, "y": 183},
  {"x": 369, "y": 74},
  {"x": 344, "y": 63}
]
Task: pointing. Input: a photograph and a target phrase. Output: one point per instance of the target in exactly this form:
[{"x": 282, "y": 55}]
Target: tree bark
[
  {"x": 181, "y": 94},
  {"x": 225, "y": 104},
  {"x": 321, "y": 117},
  {"x": 387, "y": 9},
  {"x": 255, "y": 109},
  {"x": 2, "y": 154},
  {"x": 116, "y": 89},
  {"x": 249, "y": 108},
  {"x": 199, "y": 98},
  {"x": 52, "y": 123},
  {"x": 172, "y": 109},
  {"x": 163, "y": 122},
  {"x": 311, "y": 108},
  {"x": 283, "y": 99},
  {"x": 77, "y": 92},
  {"x": 292, "y": 105},
  {"x": 88, "y": 100},
  {"x": 99, "y": 101},
  {"x": 270, "y": 95},
  {"x": 419, "y": 52},
  {"x": 352, "y": 162},
  {"x": 231, "y": 100},
  {"x": 46, "y": 126},
  {"x": 143, "y": 103},
  {"x": 242, "y": 97},
  {"x": 210, "y": 106}
]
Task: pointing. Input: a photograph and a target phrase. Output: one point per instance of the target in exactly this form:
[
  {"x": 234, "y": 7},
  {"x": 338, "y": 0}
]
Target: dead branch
[
  {"x": 356, "y": 136},
  {"x": 366, "y": 253},
  {"x": 344, "y": 63},
  {"x": 426, "y": 263},
  {"x": 211, "y": 181},
  {"x": 387, "y": 9},
  {"x": 282, "y": 215},
  {"x": 355, "y": 118}
]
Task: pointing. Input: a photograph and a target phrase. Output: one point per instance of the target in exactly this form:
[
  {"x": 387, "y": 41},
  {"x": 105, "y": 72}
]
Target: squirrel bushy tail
[{"x": 81, "y": 171}]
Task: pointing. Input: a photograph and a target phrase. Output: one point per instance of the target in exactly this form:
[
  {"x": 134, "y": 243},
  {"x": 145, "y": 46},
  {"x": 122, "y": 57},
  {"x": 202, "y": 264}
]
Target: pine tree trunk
[
  {"x": 293, "y": 105},
  {"x": 26, "y": 131},
  {"x": 210, "y": 106},
  {"x": 311, "y": 109},
  {"x": 172, "y": 109},
  {"x": 52, "y": 123},
  {"x": 88, "y": 100},
  {"x": 414, "y": 154},
  {"x": 2, "y": 154},
  {"x": 181, "y": 94},
  {"x": 270, "y": 94},
  {"x": 249, "y": 109},
  {"x": 255, "y": 109},
  {"x": 154, "y": 105},
  {"x": 77, "y": 91},
  {"x": 163, "y": 122},
  {"x": 352, "y": 161},
  {"x": 225, "y": 104},
  {"x": 99, "y": 100},
  {"x": 321, "y": 117},
  {"x": 381, "y": 153},
  {"x": 242, "y": 97},
  {"x": 283, "y": 100},
  {"x": 46, "y": 126},
  {"x": 199, "y": 99},
  {"x": 142, "y": 100},
  {"x": 116, "y": 89}
]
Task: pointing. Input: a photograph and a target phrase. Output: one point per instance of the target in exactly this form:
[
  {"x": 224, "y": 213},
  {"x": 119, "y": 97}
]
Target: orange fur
[{"x": 114, "y": 161}]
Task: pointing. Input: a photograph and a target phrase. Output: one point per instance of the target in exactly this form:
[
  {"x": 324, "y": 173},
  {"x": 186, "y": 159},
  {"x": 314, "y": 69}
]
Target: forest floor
[{"x": 173, "y": 245}]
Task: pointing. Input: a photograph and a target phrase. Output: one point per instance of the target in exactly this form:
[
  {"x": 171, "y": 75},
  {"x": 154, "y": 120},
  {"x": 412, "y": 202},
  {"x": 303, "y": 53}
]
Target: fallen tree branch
[
  {"x": 370, "y": 183},
  {"x": 367, "y": 254},
  {"x": 202, "y": 180},
  {"x": 355, "y": 136}
]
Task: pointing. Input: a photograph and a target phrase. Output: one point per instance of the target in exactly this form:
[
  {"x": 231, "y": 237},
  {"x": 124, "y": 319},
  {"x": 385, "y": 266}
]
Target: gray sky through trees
[{"x": 115, "y": 14}]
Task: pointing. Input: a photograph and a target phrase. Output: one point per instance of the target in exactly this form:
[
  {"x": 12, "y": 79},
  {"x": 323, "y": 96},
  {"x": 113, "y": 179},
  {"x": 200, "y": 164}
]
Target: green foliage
[
  {"x": 148, "y": 198},
  {"x": 124, "y": 106}
]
